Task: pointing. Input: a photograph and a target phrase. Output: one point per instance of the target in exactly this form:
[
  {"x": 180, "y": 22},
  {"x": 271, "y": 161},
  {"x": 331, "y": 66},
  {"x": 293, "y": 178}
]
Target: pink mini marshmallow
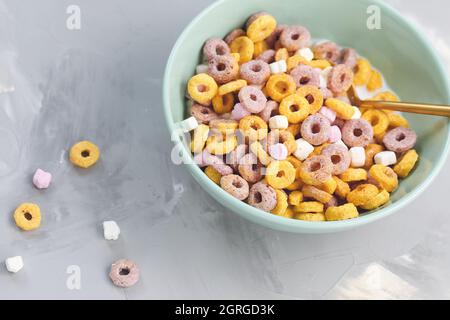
[
  {"x": 328, "y": 113},
  {"x": 335, "y": 134},
  {"x": 278, "y": 151},
  {"x": 42, "y": 179},
  {"x": 239, "y": 112}
]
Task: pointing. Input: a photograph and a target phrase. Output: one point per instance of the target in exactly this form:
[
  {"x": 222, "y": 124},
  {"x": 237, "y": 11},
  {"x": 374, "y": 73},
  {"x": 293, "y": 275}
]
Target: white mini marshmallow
[
  {"x": 323, "y": 82},
  {"x": 326, "y": 72},
  {"x": 111, "y": 230},
  {"x": 341, "y": 143},
  {"x": 304, "y": 149},
  {"x": 386, "y": 158},
  {"x": 278, "y": 67},
  {"x": 306, "y": 53},
  {"x": 278, "y": 122},
  {"x": 189, "y": 124},
  {"x": 202, "y": 68},
  {"x": 14, "y": 264},
  {"x": 357, "y": 114},
  {"x": 358, "y": 155}
]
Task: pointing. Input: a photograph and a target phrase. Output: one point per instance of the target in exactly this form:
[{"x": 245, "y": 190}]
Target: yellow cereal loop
[
  {"x": 225, "y": 127},
  {"x": 406, "y": 163},
  {"x": 258, "y": 150},
  {"x": 223, "y": 104},
  {"x": 363, "y": 72},
  {"x": 260, "y": 47},
  {"x": 28, "y": 216},
  {"x": 245, "y": 47},
  {"x": 371, "y": 151},
  {"x": 318, "y": 150},
  {"x": 280, "y": 174},
  {"x": 397, "y": 120},
  {"x": 294, "y": 129},
  {"x": 329, "y": 187},
  {"x": 353, "y": 175},
  {"x": 320, "y": 64},
  {"x": 312, "y": 217},
  {"x": 296, "y": 60},
  {"x": 342, "y": 188},
  {"x": 362, "y": 194},
  {"x": 202, "y": 88},
  {"x": 281, "y": 54},
  {"x": 282, "y": 203},
  {"x": 316, "y": 194},
  {"x": 199, "y": 138},
  {"x": 232, "y": 86},
  {"x": 313, "y": 95},
  {"x": 385, "y": 176},
  {"x": 295, "y": 108},
  {"x": 386, "y": 96},
  {"x": 289, "y": 213},
  {"x": 295, "y": 198},
  {"x": 254, "y": 128},
  {"x": 375, "y": 81},
  {"x": 280, "y": 86},
  {"x": 294, "y": 161},
  {"x": 297, "y": 185},
  {"x": 84, "y": 154},
  {"x": 219, "y": 144},
  {"x": 213, "y": 174},
  {"x": 309, "y": 207},
  {"x": 381, "y": 199},
  {"x": 236, "y": 56},
  {"x": 345, "y": 212},
  {"x": 342, "y": 109},
  {"x": 261, "y": 28},
  {"x": 378, "y": 119}
]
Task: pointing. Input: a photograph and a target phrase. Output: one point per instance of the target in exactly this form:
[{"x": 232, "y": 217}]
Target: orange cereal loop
[
  {"x": 316, "y": 194},
  {"x": 311, "y": 217},
  {"x": 313, "y": 95},
  {"x": 397, "y": 120},
  {"x": 295, "y": 198},
  {"x": 363, "y": 72},
  {"x": 354, "y": 175},
  {"x": 253, "y": 127},
  {"x": 84, "y": 154},
  {"x": 280, "y": 174},
  {"x": 199, "y": 138},
  {"x": 381, "y": 199},
  {"x": 386, "y": 96},
  {"x": 362, "y": 194},
  {"x": 260, "y": 47},
  {"x": 295, "y": 108},
  {"x": 342, "y": 109},
  {"x": 232, "y": 86},
  {"x": 385, "y": 176},
  {"x": 202, "y": 88},
  {"x": 28, "y": 216},
  {"x": 378, "y": 120},
  {"x": 345, "y": 212},
  {"x": 258, "y": 150},
  {"x": 261, "y": 28},
  {"x": 406, "y": 164},
  {"x": 245, "y": 47},
  {"x": 280, "y": 86},
  {"x": 320, "y": 64},
  {"x": 371, "y": 151},
  {"x": 297, "y": 185},
  {"x": 309, "y": 207},
  {"x": 213, "y": 174},
  {"x": 282, "y": 203},
  {"x": 295, "y": 60},
  {"x": 375, "y": 81},
  {"x": 342, "y": 188},
  {"x": 330, "y": 186},
  {"x": 219, "y": 145},
  {"x": 281, "y": 54},
  {"x": 223, "y": 104}
]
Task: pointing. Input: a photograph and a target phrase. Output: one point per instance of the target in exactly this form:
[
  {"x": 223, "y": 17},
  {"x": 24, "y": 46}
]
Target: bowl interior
[{"x": 398, "y": 50}]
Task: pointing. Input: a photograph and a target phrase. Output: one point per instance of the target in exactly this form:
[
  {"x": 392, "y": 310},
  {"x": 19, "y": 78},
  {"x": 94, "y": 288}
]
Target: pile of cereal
[{"x": 273, "y": 126}]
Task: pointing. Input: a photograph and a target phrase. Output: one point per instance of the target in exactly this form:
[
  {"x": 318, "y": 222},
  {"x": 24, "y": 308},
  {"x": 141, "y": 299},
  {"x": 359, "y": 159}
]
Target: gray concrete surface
[{"x": 103, "y": 83}]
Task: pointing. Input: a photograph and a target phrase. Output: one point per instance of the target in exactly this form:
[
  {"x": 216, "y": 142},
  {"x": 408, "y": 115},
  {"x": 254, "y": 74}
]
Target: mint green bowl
[{"x": 399, "y": 50}]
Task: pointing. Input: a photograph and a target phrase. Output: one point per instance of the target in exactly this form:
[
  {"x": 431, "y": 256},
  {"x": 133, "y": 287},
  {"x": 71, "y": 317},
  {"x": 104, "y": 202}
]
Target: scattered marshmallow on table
[
  {"x": 278, "y": 122},
  {"x": 304, "y": 149},
  {"x": 14, "y": 264},
  {"x": 357, "y": 114},
  {"x": 278, "y": 67},
  {"x": 189, "y": 124},
  {"x": 358, "y": 155},
  {"x": 386, "y": 158},
  {"x": 111, "y": 230},
  {"x": 306, "y": 53},
  {"x": 278, "y": 151},
  {"x": 42, "y": 179}
]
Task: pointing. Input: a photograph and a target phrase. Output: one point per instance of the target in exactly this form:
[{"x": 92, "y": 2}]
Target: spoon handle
[{"x": 419, "y": 108}]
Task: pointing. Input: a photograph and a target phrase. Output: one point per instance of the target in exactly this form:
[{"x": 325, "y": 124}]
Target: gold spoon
[{"x": 420, "y": 108}]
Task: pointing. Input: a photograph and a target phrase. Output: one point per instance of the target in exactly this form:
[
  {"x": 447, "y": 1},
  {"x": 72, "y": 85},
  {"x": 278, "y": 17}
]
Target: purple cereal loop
[
  {"x": 252, "y": 99},
  {"x": 400, "y": 139},
  {"x": 253, "y": 18},
  {"x": 203, "y": 114},
  {"x": 239, "y": 112},
  {"x": 305, "y": 75},
  {"x": 255, "y": 72},
  {"x": 275, "y": 36},
  {"x": 357, "y": 133},
  {"x": 349, "y": 57},
  {"x": 295, "y": 38},
  {"x": 250, "y": 168},
  {"x": 235, "y": 156},
  {"x": 223, "y": 69},
  {"x": 316, "y": 129},
  {"x": 262, "y": 197},
  {"x": 124, "y": 273},
  {"x": 236, "y": 33},
  {"x": 269, "y": 111},
  {"x": 319, "y": 168},
  {"x": 267, "y": 56},
  {"x": 217, "y": 163},
  {"x": 215, "y": 48},
  {"x": 340, "y": 79},
  {"x": 235, "y": 186},
  {"x": 339, "y": 157},
  {"x": 340, "y": 123},
  {"x": 327, "y": 51}
]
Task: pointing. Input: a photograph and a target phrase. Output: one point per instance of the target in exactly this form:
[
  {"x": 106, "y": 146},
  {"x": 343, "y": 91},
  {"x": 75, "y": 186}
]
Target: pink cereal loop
[
  {"x": 235, "y": 186},
  {"x": 262, "y": 197}
]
